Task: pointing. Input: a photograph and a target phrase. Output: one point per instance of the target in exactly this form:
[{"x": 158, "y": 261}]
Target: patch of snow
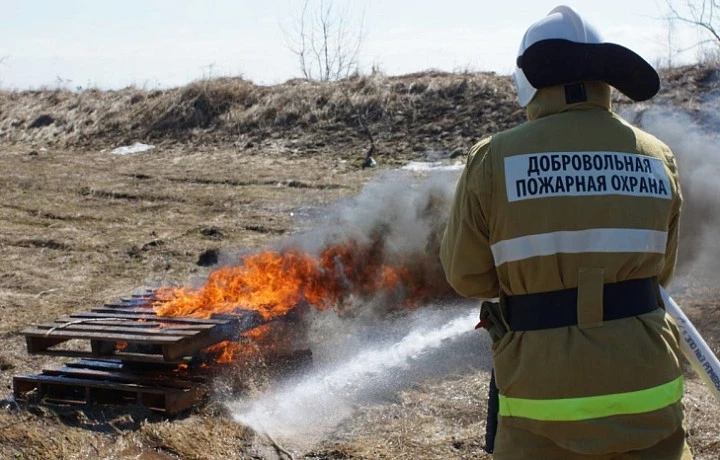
[
  {"x": 137, "y": 147},
  {"x": 433, "y": 166}
]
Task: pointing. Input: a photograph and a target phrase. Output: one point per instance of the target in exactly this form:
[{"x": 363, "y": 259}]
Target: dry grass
[
  {"x": 236, "y": 166},
  {"x": 38, "y": 432},
  {"x": 81, "y": 228},
  {"x": 406, "y": 114},
  {"x": 441, "y": 419},
  {"x": 444, "y": 111}
]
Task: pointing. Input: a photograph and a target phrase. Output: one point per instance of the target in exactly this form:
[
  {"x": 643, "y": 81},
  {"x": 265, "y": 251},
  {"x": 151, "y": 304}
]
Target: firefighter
[{"x": 570, "y": 220}]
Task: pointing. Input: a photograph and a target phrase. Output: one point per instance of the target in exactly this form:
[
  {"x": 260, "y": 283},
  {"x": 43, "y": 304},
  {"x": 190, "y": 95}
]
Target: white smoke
[
  {"x": 358, "y": 358},
  {"x": 697, "y": 150},
  {"x": 406, "y": 210}
]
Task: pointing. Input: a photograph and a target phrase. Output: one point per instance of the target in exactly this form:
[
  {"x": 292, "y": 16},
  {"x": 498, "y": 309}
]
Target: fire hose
[{"x": 694, "y": 347}]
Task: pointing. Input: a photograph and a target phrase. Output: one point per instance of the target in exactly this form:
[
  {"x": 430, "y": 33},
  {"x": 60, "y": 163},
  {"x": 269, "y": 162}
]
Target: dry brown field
[{"x": 239, "y": 168}]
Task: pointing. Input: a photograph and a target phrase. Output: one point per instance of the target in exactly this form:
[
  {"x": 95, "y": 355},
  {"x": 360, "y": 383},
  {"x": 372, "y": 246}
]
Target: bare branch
[
  {"x": 297, "y": 40},
  {"x": 702, "y": 14},
  {"x": 325, "y": 25},
  {"x": 324, "y": 41},
  {"x": 696, "y": 45},
  {"x": 303, "y": 39}
]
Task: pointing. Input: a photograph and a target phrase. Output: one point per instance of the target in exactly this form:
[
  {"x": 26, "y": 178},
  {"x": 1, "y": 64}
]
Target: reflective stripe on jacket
[{"x": 575, "y": 189}]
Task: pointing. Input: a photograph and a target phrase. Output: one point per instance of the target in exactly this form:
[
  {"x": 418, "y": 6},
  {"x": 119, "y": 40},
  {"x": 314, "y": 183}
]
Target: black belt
[{"x": 546, "y": 310}]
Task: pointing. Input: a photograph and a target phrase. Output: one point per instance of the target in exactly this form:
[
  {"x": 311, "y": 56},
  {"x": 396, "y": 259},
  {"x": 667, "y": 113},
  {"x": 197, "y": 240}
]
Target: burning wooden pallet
[
  {"x": 130, "y": 355},
  {"x": 131, "y": 331}
]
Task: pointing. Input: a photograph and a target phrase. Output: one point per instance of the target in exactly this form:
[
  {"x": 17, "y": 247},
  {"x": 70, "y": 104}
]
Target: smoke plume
[
  {"x": 368, "y": 350},
  {"x": 697, "y": 150},
  {"x": 400, "y": 217},
  {"x": 406, "y": 212}
]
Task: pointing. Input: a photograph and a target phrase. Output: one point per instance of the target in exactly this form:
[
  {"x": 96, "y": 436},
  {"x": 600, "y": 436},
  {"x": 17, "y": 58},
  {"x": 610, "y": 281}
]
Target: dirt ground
[
  {"x": 80, "y": 227},
  {"x": 83, "y": 228}
]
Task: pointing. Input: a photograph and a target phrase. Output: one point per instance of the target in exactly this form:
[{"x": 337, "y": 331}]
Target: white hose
[{"x": 693, "y": 346}]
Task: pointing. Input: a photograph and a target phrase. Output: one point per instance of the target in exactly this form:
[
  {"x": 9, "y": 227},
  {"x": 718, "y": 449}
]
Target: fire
[
  {"x": 120, "y": 345},
  {"x": 182, "y": 367},
  {"x": 273, "y": 283},
  {"x": 228, "y": 352}
]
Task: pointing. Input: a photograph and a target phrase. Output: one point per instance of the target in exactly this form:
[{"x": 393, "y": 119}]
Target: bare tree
[
  {"x": 669, "y": 43},
  {"x": 326, "y": 40},
  {"x": 703, "y": 14}
]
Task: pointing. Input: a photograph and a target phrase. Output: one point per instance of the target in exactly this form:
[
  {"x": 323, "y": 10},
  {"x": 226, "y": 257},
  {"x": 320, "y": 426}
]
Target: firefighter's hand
[{"x": 491, "y": 319}]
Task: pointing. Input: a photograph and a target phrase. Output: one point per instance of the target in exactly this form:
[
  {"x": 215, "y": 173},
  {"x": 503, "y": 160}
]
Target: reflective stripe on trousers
[{"x": 590, "y": 407}]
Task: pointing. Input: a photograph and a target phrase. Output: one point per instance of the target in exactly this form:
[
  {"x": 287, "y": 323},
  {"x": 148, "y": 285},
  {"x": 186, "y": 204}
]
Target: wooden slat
[
  {"x": 96, "y": 364},
  {"x": 94, "y": 327},
  {"x": 137, "y": 316},
  {"x": 120, "y": 306},
  {"x": 139, "y": 369},
  {"x": 121, "y": 377},
  {"x": 138, "y": 299},
  {"x": 180, "y": 349},
  {"x": 122, "y": 355},
  {"x": 124, "y": 322},
  {"x": 136, "y": 368},
  {"x": 131, "y": 322},
  {"x": 40, "y": 344},
  {"x": 76, "y": 382},
  {"x": 105, "y": 335},
  {"x": 125, "y": 310}
]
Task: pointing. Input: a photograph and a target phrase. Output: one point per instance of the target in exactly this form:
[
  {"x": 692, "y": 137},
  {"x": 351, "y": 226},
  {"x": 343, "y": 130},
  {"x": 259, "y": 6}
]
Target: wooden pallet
[
  {"x": 131, "y": 330},
  {"x": 130, "y": 355},
  {"x": 113, "y": 382}
]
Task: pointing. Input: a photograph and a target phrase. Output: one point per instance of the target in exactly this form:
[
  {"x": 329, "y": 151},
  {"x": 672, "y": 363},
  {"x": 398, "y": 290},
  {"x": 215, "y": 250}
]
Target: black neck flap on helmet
[{"x": 558, "y": 62}]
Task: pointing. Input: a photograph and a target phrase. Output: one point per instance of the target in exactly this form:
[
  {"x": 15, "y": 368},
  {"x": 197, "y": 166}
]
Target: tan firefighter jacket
[{"x": 576, "y": 196}]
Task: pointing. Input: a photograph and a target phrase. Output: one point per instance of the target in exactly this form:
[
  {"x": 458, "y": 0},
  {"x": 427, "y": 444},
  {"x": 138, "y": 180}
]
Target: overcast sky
[{"x": 162, "y": 43}]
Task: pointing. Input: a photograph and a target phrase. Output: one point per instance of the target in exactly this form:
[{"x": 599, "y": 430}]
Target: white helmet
[{"x": 564, "y": 48}]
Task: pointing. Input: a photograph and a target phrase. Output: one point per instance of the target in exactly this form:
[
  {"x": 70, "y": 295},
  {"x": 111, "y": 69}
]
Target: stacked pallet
[{"x": 129, "y": 355}]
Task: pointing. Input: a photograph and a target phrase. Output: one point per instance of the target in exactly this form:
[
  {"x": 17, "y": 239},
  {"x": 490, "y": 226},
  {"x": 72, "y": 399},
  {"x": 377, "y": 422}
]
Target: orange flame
[
  {"x": 227, "y": 352},
  {"x": 273, "y": 283},
  {"x": 120, "y": 345}
]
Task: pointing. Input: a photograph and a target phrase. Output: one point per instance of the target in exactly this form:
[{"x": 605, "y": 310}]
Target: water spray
[{"x": 322, "y": 399}]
